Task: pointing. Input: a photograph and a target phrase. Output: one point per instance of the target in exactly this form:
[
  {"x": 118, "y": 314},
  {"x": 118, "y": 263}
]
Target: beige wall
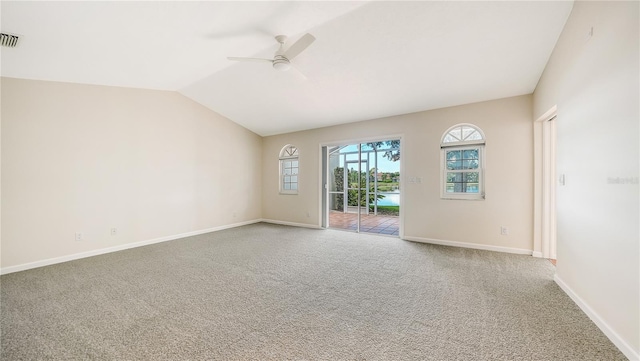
[
  {"x": 509, "y": 173},
  {"x": 82, "y": 158},
  {"x": 595, "y": 85}
]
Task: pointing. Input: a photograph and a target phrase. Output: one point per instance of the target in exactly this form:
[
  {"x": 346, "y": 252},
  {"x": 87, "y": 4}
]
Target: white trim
[
  {"x": 484, "y": 247},
  {"x": 548, "y": 178},
  {"x": 293, "y": 224},
  {"x": 295, "y": 154},
  {"x": 96, "y": 252},
  {"x": 403, "y": 175},
  {"x": 537, "y": 254},
  {"x": 623, "y": 346},
  {"x": 549, "y": 114},
  {"x": 364, "y": 140},
  {"x": 540, "y": 215},
  {"x": 463, "y": 143},
  {"x": 460, "y": 125},
  {"x": 324, "y": 192}
]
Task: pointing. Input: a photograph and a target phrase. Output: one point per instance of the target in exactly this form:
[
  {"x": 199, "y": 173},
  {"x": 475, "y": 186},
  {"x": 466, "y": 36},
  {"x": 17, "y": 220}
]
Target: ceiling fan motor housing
[{"x": 281, "y": 63}]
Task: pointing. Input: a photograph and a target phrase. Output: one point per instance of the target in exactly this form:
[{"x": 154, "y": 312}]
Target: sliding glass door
[{"x": 363, "y": 187}]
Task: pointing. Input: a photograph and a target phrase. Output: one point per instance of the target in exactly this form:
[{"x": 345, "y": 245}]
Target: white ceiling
[{"x": 370, "y": 59}]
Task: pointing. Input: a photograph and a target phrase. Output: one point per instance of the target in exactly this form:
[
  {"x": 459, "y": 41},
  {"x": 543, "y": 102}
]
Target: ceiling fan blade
[
  {"x": 297, "y": 73},
  {"x": 235, "y": 58},
  {"x": 297, "y": 47}
]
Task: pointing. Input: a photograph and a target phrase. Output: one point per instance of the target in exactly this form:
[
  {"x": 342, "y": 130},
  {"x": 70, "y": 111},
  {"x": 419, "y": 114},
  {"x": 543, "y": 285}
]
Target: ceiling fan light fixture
[{"x": 281, "y": 63}]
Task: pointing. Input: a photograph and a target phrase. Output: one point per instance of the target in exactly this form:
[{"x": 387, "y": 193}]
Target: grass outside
[{"x": 388, "y": 210}]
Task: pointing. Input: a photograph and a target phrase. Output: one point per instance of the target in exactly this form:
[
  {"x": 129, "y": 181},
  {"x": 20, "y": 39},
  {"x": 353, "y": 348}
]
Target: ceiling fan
[{"x": 282, "y": 58}]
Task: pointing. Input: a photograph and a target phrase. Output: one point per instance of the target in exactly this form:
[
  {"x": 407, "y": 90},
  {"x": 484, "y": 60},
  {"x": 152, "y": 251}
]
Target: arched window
[
  {"x": 289, "y": 166},
  {"x": 462, "y": 162}
]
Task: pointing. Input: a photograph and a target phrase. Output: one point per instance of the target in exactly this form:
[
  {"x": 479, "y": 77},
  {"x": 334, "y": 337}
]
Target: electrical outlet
[
  {"x": 114, "y": 231},
  {"x": 78, "y": 236},
  {"x": 504, "y": 231}
]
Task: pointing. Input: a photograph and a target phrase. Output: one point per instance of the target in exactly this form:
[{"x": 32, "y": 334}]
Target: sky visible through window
[{"x": 384, "y": 164}]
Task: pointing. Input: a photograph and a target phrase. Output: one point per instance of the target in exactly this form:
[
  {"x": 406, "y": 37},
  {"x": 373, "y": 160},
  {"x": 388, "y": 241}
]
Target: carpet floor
[{"x": 273, "y": 292}]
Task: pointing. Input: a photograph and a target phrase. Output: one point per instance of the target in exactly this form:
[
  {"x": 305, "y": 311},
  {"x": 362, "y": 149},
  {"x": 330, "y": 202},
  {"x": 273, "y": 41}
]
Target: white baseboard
[
  {"x": 537, "y": 254},
  {"x": 623, "y": 346},
  {"x": 484, "y": 247},
  {"x": 71, "y": 257},
  {"x": 291, "y": 223}
]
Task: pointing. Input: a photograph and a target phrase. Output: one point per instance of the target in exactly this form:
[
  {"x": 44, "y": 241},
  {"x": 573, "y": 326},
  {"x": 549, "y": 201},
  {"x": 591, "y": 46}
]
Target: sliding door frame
[{"x": 323, "y": 191}]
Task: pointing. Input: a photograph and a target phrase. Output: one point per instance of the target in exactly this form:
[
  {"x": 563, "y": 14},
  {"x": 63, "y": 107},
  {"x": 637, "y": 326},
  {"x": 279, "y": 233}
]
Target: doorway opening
[{"x": 363, "y": 187}]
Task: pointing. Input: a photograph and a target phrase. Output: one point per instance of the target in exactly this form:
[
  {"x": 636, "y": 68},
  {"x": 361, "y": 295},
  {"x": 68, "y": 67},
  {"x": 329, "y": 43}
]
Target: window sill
[{"x": 462, "y": 198}]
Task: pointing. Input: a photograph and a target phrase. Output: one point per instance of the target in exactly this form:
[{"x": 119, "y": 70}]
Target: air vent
[{"x": 8, "y": 40}]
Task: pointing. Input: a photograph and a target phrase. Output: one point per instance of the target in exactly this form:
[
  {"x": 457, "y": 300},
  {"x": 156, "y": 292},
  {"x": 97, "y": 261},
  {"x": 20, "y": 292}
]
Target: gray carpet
[{"x": 274, "y": 292}]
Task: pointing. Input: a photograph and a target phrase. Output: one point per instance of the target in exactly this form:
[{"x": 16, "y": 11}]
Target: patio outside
[
  {"x": 369, "y": 223},
  {"x": 365, "y": 175}
]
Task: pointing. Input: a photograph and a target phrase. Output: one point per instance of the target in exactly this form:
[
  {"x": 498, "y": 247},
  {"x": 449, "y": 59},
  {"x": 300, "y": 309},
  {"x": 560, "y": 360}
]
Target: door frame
[
  {"x": 545, "y": 230},
  {"x": 323, "y": 191}
]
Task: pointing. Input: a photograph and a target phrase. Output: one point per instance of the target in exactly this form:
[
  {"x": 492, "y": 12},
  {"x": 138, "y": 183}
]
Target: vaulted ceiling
[{"x": 371, "y": 58}]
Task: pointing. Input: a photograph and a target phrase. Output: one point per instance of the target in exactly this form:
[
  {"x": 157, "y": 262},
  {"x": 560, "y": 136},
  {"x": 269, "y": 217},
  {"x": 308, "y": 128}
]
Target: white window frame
[
  {"x": 462, "y": 144},
  {"x": 289, "y": 153}
]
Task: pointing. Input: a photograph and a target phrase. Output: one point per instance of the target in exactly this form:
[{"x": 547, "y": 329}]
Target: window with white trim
[
  {"x": 462, "y": 160},
  {"x": 289, "y": 165}
]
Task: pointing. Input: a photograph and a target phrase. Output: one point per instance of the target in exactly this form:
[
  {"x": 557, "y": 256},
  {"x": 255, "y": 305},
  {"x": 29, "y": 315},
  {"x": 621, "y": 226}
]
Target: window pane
[
  {"x": 294, "y": 163},
  {"x": 472, "y": 188},
  {"x": 462, "y": 133},
  {"x": 286, "y": 171},
  {"x": 454, "y": 177},
  {"x": 449, "y": 138},
  {"x": 294, "y": 186},
  {"x": 457, "y": 133},
  {"x": 471, "y": 177},
  {"x": 470, "y": 164},
  {"x": 454, "y": 154},
  {"x": 294, "y": 170},
  {"x": 466, "y": 132},
  {"x": 368, "y": 146},
  {"x": 289, "y": 151},
  {"x": 286, "y": 186},
  {"x": 286, "y": 164},
  {"x": 462, "y": 182},
  {"x": 294, "y": 179},
  {"x": 470, "y": 154},
  {"x": 458, "y": 187},
  {"x": 454, "y": 165},
  {"x": 474, "y": 136},
  {"x": 337, "y": 179}
]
